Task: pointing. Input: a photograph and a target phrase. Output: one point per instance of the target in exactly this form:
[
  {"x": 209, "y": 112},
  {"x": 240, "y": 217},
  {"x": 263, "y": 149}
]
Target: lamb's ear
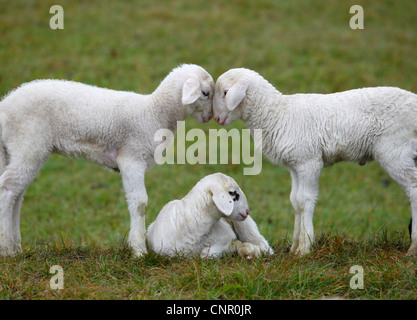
[
  {"x": 190, "y": 91},
  {"x": 222, "y": 200},
  {"x": 236, "y": 94}
]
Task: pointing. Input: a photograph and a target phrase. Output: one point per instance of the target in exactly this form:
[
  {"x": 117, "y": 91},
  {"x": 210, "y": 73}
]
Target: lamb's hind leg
[
  {"x": 413, "y": 199},
  {"x": 13, "y": 182},
  {"x": 221, "y": 239},
  {"x": 403, "y": 169},
  {"x": 245, "y": 249},
  {"x": 7, "y": 200}
]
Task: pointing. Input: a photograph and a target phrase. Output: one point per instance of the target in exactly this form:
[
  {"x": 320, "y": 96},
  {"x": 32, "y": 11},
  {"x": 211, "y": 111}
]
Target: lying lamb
[
  {"x": 306, "y": 132},
  {"x": 114, "y": 129},
  {"x": 210, "y": 220}
]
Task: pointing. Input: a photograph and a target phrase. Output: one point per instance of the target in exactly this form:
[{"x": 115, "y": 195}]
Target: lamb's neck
[
  {"x": 263, "y": 106},
  {"x": 269, "y": 111},
  {"x": 168, "y": 99}
]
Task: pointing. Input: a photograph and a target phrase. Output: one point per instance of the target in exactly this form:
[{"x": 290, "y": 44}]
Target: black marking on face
[{"x": 235, "y": 195}]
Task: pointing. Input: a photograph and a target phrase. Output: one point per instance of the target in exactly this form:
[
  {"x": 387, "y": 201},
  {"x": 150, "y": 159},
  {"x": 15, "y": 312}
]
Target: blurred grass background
[{"x": 299, "y": 46}]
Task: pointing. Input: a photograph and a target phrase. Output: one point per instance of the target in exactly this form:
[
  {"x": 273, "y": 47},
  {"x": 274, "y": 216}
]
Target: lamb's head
[
  {"x": 227, "y": 196},
  {"x": 197, "y": 92},
  {"x": 231, "y": 89}
]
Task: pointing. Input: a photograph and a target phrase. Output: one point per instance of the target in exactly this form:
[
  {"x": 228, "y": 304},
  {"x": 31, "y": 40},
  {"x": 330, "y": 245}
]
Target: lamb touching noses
[{"x": 207, "y": 118}]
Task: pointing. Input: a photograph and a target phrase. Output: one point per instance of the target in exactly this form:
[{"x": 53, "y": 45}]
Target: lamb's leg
[
  {"x": 297, "y": 213},
  {"x": 245, "y": 249},
  {"x": 13, "y": 183},
  {"x": 402, "y": 168},
  {"x": 413, "y": 199},
  {"x": 247, "y": 231},
  {"x": 222, "y": 238},
  {"x": 307, "y": 192},
  {"x": 7, "y": 201},
  {"x": 234, "y": 246},
  {"x": 16, "y": 223},
  {"x": 214, "y": 251},
  {"x": 133, "y": 176}
]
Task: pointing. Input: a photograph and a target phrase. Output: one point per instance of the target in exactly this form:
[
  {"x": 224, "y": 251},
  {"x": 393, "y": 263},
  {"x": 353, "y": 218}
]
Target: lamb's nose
[
  {"x": 247, "y": 211},
  {"x": 217, "y": 119}
]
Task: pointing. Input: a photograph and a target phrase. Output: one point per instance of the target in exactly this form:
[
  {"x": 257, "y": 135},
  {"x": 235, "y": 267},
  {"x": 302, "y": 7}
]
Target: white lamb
[
  {"x": 212, "y": 219},
  {"x": 306, "y": 132},
  {"x": 114, "y": 129}
]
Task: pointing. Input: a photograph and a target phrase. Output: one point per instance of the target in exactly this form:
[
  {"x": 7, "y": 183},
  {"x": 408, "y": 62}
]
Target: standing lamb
[
  {"x": 306, "y": 132},
  {"x": 212, "y": 219},
  {"x": 114, "y": 129}
]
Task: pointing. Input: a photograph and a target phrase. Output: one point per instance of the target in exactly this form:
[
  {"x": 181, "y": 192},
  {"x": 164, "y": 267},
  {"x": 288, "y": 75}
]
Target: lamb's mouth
[{"x": 243, "y": 215}]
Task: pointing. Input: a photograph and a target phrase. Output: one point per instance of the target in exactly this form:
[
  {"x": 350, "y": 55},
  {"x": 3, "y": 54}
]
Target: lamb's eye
[
  {"x": 234, "y": 195},
  {"x": 205, "y": 93},
  {"x": 225, "y": 92}
]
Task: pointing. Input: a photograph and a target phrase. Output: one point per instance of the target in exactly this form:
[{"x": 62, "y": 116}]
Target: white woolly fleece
[
  {"x": 114, "y": 129},
  {"x": 306, "y": 132},
  {"x": 210, "y": 220}
]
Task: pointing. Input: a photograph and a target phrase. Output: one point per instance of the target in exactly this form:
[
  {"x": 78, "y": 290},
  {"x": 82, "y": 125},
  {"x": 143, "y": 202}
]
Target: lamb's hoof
[
  {"x": 207, "y": 254},
  {"x": 139, "y": 252},
  {"x": 269, "y": 251},
  {"x": 412, "y": 252},
  {"x": 235, "y": 245},
  {"x": 10, "y": 252},
  {"x": 301, "y": 251},
  {"x": 293, "y": 249},
  {"x": 248, "y": 251}
]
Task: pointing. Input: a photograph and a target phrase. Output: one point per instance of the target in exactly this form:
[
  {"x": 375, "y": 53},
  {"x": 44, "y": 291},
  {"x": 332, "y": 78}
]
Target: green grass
[
  {"x": 75, "y": 215},
  {"x": 112, "y": 273}
]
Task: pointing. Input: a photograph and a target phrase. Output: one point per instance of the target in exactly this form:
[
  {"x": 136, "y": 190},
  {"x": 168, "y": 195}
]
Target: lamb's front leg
[
  {"x": 247, "y": 231},
  {"x": 304, "y": 202},
  {"x": 7, "y": 241},
  {"x": 133, "y": 176},
  {"x": 297, "y": 214},
  {"x": 16, "y": 223}
]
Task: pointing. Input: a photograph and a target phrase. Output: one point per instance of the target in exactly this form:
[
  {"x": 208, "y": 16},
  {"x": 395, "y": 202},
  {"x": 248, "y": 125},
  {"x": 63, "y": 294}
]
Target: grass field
[{"x": 74, "y": 213}]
